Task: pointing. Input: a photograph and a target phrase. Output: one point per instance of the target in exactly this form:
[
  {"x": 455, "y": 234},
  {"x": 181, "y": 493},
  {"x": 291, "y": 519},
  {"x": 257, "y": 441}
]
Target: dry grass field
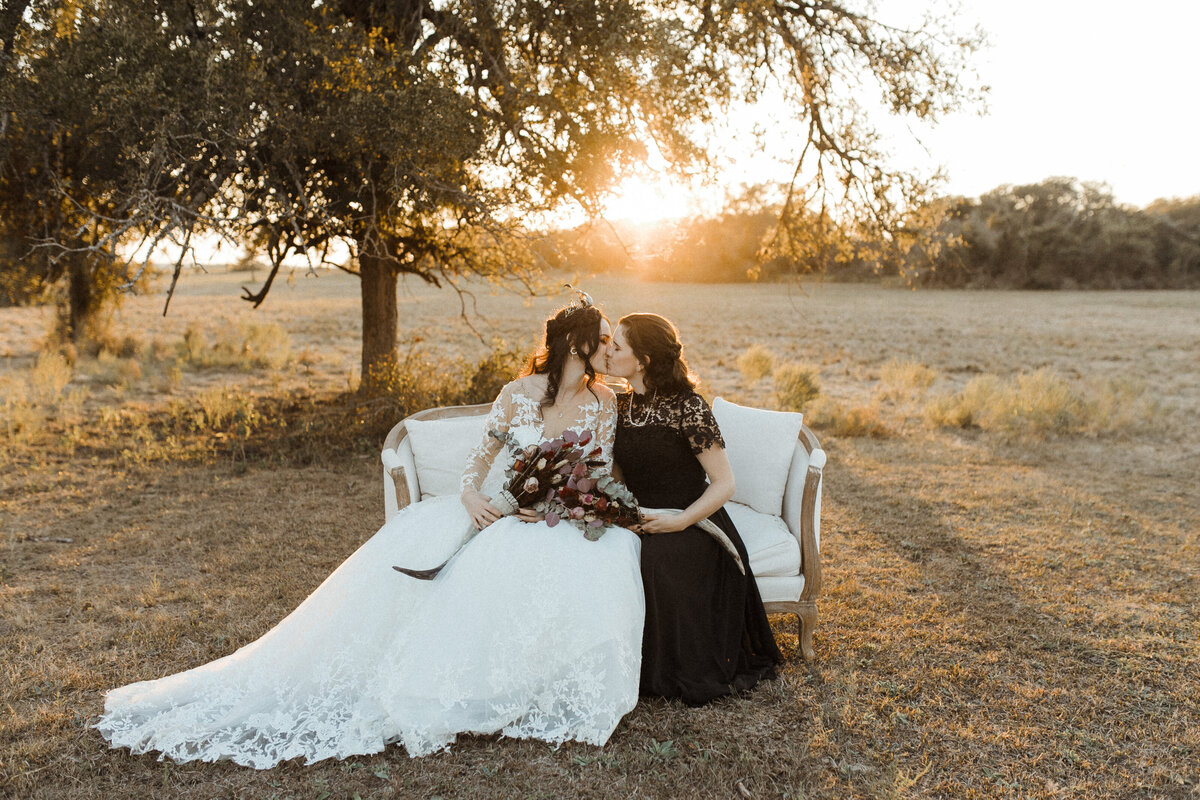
[{"x": 1010, "y": 605}]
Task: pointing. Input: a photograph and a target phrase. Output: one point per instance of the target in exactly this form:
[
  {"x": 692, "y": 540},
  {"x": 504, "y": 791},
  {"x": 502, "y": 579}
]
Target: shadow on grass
[{"x": 974, "y": 643}]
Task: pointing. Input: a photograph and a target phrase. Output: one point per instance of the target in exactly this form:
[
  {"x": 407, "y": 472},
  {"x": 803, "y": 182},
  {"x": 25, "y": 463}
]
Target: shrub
[
  {"x": 247, "y": 346},
  {"x": 1116, "y": 404},
  {"x": 902, "y": 380},
  {"x": 224, "y": 409},
  {"x": 490, "y": 373},
  {"x": 830, "y": 415},
  {"x": 756, "y": 363},
  {"x": 1043, "y": 402},
  {"x": 795, "y": 386},
  {"x": 111, "y": 370},
  {"x": 29, "y": 399}
]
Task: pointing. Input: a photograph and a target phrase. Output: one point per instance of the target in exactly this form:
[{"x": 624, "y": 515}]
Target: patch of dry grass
[
  {"x": 905, "y": 380},
  {"x": 794, "y": 387},
  {"x": 1043, "y": 402},
  {"x": 829, "y": 416},
  {"x": 756, "y": 363},
  {"x": 248, "y": 346},
  {"x": 32, "y": 399}
]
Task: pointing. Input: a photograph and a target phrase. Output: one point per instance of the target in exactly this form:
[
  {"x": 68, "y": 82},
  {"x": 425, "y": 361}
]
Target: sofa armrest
[
  {"x": 400, "y": 484},
  {"x": 802, "y": 507}
]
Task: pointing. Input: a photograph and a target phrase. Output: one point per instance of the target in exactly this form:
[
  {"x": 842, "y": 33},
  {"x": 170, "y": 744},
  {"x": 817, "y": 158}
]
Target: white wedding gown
[{"x": 531, "y": 631}]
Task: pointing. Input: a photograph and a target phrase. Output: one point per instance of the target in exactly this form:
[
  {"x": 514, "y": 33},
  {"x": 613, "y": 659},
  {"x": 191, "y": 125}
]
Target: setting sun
[{"x": 642, "y": 200}]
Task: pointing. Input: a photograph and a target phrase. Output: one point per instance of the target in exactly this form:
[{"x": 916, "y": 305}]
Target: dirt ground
[{"x": 1003, "y": 615}]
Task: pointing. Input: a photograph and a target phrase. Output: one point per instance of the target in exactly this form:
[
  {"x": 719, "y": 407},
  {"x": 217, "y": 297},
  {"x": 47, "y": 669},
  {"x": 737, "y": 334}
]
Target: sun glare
[{"x": 642, "y": 200}]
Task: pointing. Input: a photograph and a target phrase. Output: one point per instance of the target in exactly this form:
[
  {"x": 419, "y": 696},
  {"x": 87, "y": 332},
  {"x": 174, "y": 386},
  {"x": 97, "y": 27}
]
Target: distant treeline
[{"x": 1057, "y": 234}]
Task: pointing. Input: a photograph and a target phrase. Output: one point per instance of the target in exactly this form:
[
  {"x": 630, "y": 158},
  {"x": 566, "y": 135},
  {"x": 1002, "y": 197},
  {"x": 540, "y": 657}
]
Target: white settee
[{"x": 777, "y": 465}]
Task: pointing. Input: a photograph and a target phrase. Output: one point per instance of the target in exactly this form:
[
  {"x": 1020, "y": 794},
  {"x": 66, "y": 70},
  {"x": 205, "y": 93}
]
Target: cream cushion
[
  {"x": 440, "y": 448},
  {"x": 772, "y": 547},
  {"x": 759, "y": 444}
]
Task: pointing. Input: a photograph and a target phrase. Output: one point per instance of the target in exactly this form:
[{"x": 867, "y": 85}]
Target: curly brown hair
[{"x": 572, "y": 326}]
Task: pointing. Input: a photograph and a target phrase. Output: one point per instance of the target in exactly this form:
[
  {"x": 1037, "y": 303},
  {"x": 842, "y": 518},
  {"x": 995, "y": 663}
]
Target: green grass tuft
[{"x": 795, "y": 386}]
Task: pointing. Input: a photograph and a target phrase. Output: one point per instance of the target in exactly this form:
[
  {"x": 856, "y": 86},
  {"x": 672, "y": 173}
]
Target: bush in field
[
  {"x": 225, "y": 409},
  {"x": 32, "y": 398},
  {"x": 829, "y": 415},
  {"x": 418, "y": 381},
  {"x": 756, "y": 363},
  {"x": 248, "y": 346},
  {"x": 1116, "y": 404},
  {"x": 1043, "y": 402},
  {"x": 903, "y": 380},
  {"x": 488, "y": 375},
  {"x": 794, "y": 387}
]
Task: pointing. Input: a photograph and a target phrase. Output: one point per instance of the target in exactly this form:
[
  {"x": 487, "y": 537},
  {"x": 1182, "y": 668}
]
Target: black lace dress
[{"x": 706, "y": 632}]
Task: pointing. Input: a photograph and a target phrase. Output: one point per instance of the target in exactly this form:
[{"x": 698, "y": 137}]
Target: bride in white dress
[{"x": 530, "y": 631}]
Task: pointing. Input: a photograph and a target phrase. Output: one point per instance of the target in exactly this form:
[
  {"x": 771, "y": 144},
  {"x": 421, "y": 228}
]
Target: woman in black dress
[{"x": 706, "y": 631}]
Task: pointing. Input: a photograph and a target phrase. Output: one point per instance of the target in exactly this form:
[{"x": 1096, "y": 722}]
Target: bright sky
[{"x": 1101, "y": 91}]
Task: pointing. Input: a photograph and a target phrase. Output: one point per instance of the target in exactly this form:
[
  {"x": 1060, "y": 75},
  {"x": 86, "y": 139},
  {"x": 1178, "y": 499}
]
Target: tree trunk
[
  {"x": 82, "y": 301},
  {"x": 377, "y": 283}
]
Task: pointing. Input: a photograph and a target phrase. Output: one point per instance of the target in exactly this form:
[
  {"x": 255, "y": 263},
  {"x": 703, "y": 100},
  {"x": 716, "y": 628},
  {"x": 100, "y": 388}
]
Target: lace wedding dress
[{"x": 531, "y": 632}]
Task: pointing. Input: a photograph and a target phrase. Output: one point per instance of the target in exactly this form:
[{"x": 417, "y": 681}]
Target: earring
[{"x": 573, "y": 351}]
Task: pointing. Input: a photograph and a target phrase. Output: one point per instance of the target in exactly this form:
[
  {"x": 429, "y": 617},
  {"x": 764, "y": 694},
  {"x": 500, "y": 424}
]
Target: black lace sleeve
[{"x": 698, "y": 424}]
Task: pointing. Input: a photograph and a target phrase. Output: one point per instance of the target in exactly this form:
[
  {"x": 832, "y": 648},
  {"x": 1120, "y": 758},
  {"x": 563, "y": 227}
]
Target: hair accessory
[{"x": 584, "y": 300}]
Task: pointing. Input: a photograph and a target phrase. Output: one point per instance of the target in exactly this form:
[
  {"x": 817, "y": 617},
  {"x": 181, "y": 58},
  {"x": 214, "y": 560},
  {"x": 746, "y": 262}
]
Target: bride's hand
[
  {"x": 479, "y": 509},
  {"x": 529, "y": 515},
  {"x": 661, "y": 523}
]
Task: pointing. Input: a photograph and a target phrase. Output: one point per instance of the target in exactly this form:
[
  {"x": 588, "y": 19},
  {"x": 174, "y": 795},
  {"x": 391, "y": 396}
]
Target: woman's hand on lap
[
  {"x": 529, "y": 515},
  {"x": 662, "y": 523},
  {"x": 479, "y": 509}
]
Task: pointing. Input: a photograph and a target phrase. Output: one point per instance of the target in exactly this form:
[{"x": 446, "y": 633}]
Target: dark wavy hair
[
  {"x": 655, "y": 343},
  {"x": 572, "y": 326}
]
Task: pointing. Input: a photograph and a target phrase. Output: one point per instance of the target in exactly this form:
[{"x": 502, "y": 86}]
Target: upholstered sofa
[{"x": 777, "y": 465}]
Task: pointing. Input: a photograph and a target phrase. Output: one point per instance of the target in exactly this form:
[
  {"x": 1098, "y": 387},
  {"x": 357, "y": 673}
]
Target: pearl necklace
[{"x": 646, "y": 416}]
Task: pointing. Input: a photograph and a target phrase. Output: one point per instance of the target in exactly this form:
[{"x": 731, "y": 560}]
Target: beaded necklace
[{"x": 646, "y": 416}]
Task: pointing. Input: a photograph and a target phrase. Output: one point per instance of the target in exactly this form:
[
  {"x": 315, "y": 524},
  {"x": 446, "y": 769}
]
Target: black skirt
[{"x": 706, "y": 632}]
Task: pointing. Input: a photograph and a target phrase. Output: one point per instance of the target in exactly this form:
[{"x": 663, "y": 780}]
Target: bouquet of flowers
[
  {"x": 565, "y": 480},
  {"x": 540, "y": 470},
  {"x": 592, "y": 500}
]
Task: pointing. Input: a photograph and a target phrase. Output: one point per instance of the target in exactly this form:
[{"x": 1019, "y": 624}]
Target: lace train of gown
[{"x": 531, "y": 631}]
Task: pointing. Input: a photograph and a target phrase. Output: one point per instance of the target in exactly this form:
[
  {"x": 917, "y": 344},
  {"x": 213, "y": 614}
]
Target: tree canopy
[{"x": 425, "y": 134}]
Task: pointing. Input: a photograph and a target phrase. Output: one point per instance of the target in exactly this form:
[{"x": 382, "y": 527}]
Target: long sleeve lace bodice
[{"x": 517, "y": 410}]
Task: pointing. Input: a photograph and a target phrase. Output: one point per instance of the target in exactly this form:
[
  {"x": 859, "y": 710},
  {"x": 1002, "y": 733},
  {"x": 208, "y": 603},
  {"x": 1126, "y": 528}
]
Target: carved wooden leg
[{"x": 807, "y": 614}]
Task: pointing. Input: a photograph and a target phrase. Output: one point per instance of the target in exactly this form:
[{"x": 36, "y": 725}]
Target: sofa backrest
[{"x": 436, "y": 443}]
